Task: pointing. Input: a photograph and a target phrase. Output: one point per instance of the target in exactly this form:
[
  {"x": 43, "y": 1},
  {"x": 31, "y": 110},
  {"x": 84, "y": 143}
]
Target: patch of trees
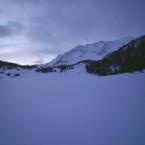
[
  {"x": 9, "y": 65},
  {"x": 61, "y": 68},
  {"x": 64, "y": 67},
  {"x": 129, "y": 58},
  {"x": 44, "y": 69}
]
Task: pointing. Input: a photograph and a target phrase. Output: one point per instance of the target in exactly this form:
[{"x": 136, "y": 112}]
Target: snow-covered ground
[
  {"x": 10, "y": 73},
  {"x": 80, "y": 109}
]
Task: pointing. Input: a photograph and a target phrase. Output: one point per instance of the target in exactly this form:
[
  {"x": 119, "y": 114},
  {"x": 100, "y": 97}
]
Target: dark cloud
[
  {"x": 5, "y": 31},
  {"x": 81, "y": 19},
  {"x": 11, "y": 28},
  {"x": 54, "y": 26}
]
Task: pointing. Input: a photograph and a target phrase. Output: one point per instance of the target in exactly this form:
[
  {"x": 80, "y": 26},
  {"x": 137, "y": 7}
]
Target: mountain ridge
[
  {"x": 104, "y": 61},
  {"x": 93, "y": 51},
  {"x": 128, "y": 58}
]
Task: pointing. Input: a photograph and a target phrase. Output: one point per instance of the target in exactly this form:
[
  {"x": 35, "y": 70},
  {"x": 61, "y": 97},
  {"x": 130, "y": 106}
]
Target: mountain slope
[
  {"x": 128, "y": 58},
  {"x": 93, "y": 51},
  {"x": 102, "y": 58}
]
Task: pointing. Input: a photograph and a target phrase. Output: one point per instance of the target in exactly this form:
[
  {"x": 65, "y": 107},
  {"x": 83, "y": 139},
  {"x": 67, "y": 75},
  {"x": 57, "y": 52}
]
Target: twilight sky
[{"x": 36, "y": 31}]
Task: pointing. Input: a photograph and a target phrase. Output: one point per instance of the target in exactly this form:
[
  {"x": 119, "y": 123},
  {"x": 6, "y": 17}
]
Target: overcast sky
[{"x": 36, "y": 31}]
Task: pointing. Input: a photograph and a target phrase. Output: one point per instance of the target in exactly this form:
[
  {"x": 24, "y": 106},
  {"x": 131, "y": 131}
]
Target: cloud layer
[{"x": 41, "y": 29}]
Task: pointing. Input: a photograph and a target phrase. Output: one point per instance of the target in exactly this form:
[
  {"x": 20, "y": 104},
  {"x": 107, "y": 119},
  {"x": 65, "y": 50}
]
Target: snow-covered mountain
[
  {"x": 90, "y": 57},
  {"x": 80, "y": 109},
  {"x": 95, "y": 51},
  {"x": 128, "y": 58}
]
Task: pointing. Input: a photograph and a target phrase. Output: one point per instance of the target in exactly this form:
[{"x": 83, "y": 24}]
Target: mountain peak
[{"x": 93, "y": 51}]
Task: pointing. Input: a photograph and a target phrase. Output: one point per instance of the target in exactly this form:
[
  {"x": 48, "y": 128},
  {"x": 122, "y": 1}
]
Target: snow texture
[
  {"x": 80, "y": 109},
  {"x": 93, "y": 51}
]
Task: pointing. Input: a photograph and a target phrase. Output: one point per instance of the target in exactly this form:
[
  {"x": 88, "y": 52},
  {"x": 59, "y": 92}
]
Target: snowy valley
[
  {"x": 77, "y": 57},
  {"x": 60, "y": 103}
]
